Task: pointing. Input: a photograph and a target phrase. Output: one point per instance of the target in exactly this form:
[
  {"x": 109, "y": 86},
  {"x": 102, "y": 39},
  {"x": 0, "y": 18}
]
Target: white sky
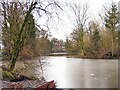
[{"x": 63, "y": 29}]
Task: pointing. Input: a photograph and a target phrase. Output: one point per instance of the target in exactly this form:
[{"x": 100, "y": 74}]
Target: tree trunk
[
  {"x": 113, "y": 43},
  {"x": 82, "y": 43},
  {"x": 13, "y": 64},
  {"x": 18, "y": 44},
  {"x": 14, "y": 56},
  {"x": 112, "y": 47}
]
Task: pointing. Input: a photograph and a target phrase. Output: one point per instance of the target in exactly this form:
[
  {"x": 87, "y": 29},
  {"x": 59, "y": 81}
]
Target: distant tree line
[{"x": 93, "y": 40}]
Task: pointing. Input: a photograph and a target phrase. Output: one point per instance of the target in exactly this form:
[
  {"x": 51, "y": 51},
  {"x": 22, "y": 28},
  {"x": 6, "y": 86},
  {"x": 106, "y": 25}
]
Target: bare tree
[{"x": 81, "y": 17}]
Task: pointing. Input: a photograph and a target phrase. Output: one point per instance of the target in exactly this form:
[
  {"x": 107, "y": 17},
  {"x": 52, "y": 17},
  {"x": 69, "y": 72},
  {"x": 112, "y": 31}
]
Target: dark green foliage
[
  {"x": 29, "y": 32},
  {"x": 111, "y": 17},
  {"x": 95, "y": 38}
]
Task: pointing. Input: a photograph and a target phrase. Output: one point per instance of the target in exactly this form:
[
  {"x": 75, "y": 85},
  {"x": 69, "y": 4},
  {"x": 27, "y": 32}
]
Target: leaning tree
[{"x": 16, "y": 18}]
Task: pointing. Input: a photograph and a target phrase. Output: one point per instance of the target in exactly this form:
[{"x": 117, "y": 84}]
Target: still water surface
[
  {"x": 81, "y": 73},
  {"x": 75, "y": 72}
]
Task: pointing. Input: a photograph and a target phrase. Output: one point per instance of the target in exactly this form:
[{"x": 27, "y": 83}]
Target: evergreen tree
[
  {"x": 95, "y": 38},
  {"x": 111, "y": 21}
]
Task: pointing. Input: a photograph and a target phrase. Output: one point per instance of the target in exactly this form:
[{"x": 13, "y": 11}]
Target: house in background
[{"x": 58, "y": 45}]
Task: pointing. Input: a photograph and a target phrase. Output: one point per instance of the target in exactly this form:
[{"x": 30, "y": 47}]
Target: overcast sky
[{"x": 65, "y": 26}]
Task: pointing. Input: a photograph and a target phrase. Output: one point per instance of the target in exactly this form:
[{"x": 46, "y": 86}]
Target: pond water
[
  {"x": 81, "y": 73},
  {"x": 75, "y": 72}
]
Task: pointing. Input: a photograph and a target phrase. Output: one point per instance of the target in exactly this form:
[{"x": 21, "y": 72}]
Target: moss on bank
[{"x": 13, "y": 76}]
